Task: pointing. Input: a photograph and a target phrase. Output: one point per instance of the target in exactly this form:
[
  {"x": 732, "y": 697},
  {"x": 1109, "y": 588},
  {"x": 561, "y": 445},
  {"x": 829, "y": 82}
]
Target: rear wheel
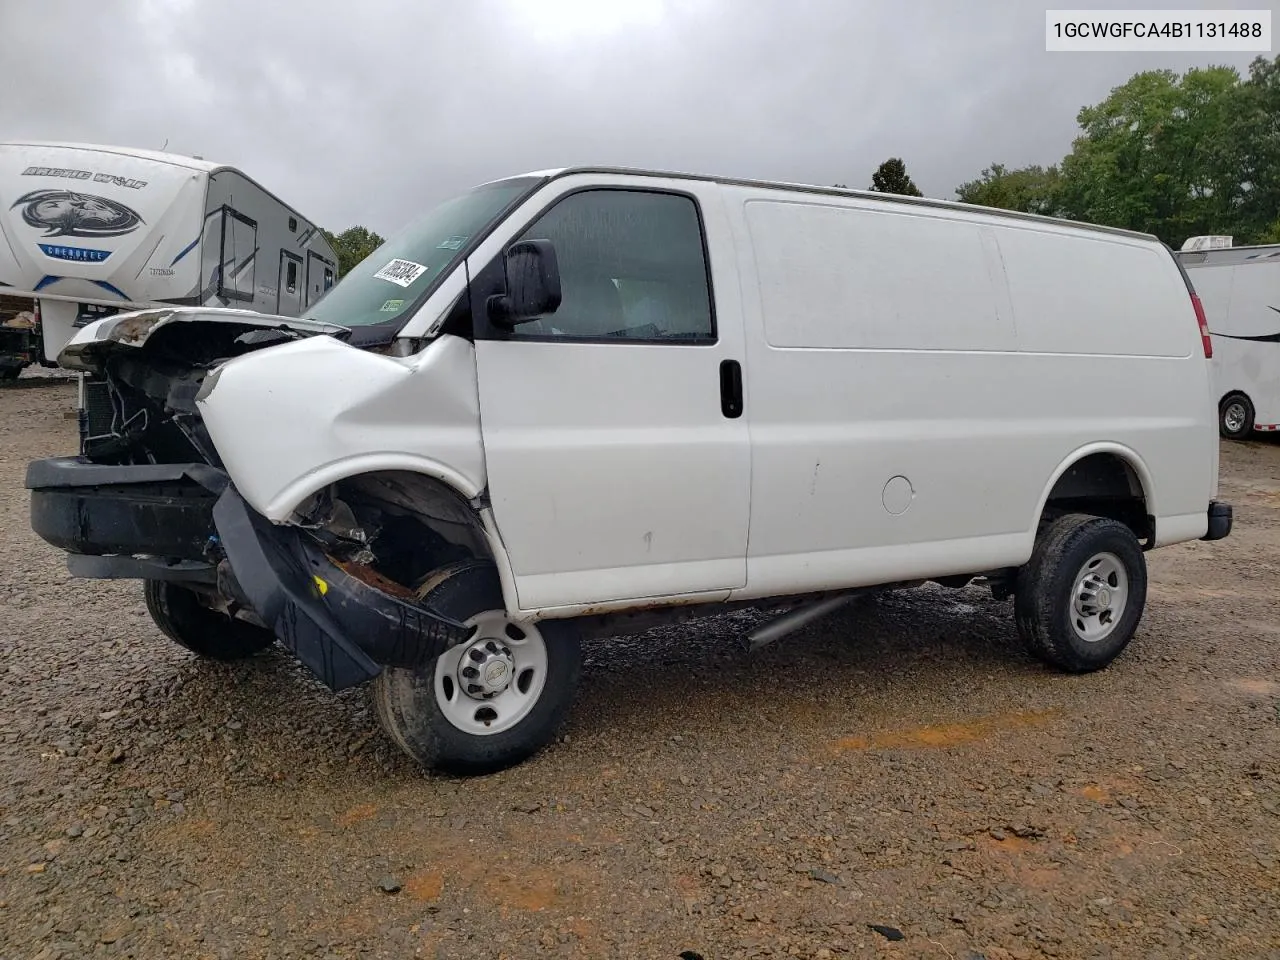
[
  {"x": 491, "y": 701},
  {"x": 1235, "y": 417},
  {"x": 1079, "y": 598},
  {"x": 182, "y": 618}
]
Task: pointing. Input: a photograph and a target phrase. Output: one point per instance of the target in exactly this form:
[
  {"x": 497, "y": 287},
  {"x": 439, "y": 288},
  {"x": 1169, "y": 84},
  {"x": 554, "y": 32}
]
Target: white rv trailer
[
  {"x": 91, "y": 230},
  {"x": 1240, "y": 290}
]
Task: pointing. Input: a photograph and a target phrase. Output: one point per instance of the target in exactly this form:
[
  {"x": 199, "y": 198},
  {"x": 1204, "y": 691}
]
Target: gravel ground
[{"x": 902, "y": 763}]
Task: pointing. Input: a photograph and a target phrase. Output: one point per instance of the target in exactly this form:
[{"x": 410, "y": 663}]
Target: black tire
[
  {"x": 1045, "y": 592},
  {"x": 405, "y": 699},
  {"x": 1239, "y": 409},
  {"x": 182, "y": 618}
]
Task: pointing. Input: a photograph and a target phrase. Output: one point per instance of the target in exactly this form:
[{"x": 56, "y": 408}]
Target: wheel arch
[
  {"x": 285, "y": 503},
  {"x": 1095, "y": 475},
  {"x": 443, "y": 499}
]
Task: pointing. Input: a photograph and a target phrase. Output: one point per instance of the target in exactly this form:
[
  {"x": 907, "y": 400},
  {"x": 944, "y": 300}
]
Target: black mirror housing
[{"x": 533, "y": 283}]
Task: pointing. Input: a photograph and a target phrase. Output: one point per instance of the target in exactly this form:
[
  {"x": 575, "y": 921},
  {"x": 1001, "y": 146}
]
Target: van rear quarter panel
[{"x": 916, "y": 379}]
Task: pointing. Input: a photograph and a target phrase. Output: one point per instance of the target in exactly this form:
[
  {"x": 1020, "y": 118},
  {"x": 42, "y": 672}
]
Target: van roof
[
  {"x": 846, "y": 192},
  {"x": 174, "y": 159}
]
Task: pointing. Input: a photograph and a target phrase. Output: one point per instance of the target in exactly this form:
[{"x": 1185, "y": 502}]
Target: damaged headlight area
[
  {"x": 146, "y": 371},
  {"x": 136, "y": 412}
]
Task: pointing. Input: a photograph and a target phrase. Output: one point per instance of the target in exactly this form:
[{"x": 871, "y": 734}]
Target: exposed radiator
[{"x": 97, "y": 415}]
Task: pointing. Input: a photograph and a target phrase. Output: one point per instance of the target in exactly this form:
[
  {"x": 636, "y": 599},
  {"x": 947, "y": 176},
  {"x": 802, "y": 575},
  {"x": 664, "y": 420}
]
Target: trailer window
[{"x": 291, "y": 277}]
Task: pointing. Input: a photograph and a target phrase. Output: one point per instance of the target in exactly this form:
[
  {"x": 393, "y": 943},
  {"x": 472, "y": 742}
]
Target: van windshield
[{"x": 392, "y": 281}]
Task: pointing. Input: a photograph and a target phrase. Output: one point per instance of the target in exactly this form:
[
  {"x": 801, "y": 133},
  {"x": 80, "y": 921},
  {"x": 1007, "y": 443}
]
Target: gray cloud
[{"x": 366, "y": 113}]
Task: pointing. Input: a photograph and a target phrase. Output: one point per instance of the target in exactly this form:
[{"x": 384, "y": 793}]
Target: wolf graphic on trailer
[{"x": 93, "y": 230}]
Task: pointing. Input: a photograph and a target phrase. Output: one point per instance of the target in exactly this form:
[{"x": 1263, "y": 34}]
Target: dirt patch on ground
[{"x": 948, "y": 734}]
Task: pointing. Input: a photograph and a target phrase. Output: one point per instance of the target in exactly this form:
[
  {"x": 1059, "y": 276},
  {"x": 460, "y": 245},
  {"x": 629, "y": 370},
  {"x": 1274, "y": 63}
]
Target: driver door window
[{"x": 632, "y": 268}]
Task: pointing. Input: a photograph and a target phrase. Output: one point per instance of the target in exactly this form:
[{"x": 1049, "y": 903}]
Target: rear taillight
[{"x": 1205, "y": 340}]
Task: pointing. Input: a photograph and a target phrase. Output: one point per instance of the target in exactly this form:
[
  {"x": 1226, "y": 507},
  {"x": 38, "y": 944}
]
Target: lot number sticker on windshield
[{"x": 401, "y": 272}]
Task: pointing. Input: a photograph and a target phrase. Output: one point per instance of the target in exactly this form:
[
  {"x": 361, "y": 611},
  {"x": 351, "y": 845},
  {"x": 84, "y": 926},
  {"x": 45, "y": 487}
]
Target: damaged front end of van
[{"x": 181, "y": 401}]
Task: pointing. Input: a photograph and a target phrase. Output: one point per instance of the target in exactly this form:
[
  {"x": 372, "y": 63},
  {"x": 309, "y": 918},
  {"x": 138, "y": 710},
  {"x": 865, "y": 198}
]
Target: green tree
[
  {"x": 352, "y": 245},
  {"x": 1253, "y": 130},
  {"x": 891, "y": 177},
  {"x": 1031, "y": 189},
  {"x": 1172, "y": 155},
  {"x": 1154, "y": 156}
]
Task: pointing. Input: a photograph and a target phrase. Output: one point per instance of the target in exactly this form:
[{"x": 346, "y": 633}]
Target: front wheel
[
  {"x": 494, "y": 699},
  {"x": 182, "y": 618},
  {"x": 1236, "y": 417},
  {"x": 1079, "y": 598}
]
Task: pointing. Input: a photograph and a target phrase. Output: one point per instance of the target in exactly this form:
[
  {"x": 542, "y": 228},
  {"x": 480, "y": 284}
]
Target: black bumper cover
[
  {"x": 189, "y": 523},
  {"x": 1219, "y": 521},
  {"x": 163, "y": 510}
]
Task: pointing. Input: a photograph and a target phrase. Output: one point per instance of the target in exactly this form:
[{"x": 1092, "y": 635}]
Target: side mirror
[{"x": 533, "y": 283}]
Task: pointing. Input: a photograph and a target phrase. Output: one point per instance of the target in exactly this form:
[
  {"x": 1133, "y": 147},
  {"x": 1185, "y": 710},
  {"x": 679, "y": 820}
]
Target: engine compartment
[{"x": 139, "y": 404}]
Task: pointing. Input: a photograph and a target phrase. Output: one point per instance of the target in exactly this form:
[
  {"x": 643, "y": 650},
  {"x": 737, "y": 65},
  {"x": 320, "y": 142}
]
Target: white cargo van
[
  {"x": 1240, "y": 287},
  {"x": 581, "y": 401}
]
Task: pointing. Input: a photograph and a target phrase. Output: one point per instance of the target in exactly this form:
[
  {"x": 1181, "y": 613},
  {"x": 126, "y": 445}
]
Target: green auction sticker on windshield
[
  {"x": 401, "y": 272},
  {"x": 453, "y": 243},
  {"x": 391, "y": 306}
]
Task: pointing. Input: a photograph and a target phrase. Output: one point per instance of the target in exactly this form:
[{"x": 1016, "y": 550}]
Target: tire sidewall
[
  {"x": 406, "y": 698},
  {"x": 1086, "y": 541},
  {"x": 179, "y": 615}
]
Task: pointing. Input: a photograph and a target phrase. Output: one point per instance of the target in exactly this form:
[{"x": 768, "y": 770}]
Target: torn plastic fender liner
[{"x": 342, "y": 629}]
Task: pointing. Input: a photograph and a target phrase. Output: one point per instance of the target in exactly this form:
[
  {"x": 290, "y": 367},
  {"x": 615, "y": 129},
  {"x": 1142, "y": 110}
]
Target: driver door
[{"x": 619, "y": 469}]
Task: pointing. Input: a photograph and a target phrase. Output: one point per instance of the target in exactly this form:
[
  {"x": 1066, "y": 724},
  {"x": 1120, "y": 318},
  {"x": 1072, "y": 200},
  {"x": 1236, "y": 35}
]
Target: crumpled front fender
[{"x": 291, "y": 419}]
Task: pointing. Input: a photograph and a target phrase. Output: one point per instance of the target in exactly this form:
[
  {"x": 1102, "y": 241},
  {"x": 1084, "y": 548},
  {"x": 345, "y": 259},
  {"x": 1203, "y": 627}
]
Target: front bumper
[
  {"x": 1219, "y": 521},
  {"x": 186, "y": 522},
  {"x": 161, "y": 512}
]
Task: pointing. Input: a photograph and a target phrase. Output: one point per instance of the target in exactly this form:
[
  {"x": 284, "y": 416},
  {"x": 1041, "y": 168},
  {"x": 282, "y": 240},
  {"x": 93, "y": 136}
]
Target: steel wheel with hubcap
[
  {"x": 491, "y": 701},
  {"x": 1100, "y": 595},
  {"x": 491, "y": 682},
  {"x": 1079, "y": 598},
  {"x": 1236, "y": 417}
]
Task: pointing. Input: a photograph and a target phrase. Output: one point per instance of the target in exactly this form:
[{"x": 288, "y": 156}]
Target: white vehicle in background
[
  {"x": 584, "y": 401},
  {"x": 91, "y": 230},
  {"x": 1240, "y": 290}
]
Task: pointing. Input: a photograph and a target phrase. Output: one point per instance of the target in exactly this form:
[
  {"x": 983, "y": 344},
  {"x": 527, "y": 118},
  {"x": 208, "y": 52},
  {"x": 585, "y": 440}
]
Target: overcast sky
[{"x": 365, "y": 111}]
